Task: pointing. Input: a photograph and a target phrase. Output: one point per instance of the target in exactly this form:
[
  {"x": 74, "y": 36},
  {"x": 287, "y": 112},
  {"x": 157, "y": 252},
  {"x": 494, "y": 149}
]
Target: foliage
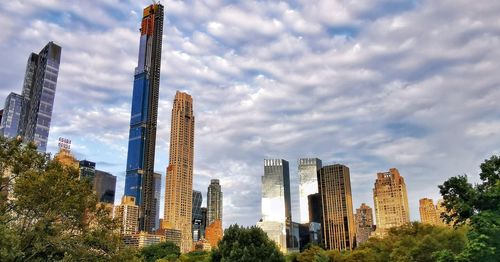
[
  {"x": 50, "y": 214},
  {"x": 241, "y": 244},
  {"x": 195, "y": 256},
  {"x": 479, "y": 207},
  {"x": 166, "y": 250}
]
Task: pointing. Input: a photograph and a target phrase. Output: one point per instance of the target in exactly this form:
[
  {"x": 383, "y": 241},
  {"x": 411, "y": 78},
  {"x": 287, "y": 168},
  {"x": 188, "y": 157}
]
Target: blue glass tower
[{"x": 139, "y": 180}]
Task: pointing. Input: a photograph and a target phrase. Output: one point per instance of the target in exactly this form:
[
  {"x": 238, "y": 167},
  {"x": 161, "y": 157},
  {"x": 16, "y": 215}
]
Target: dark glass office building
[
  {"x": 9, "y": 125},
  {"x": 197, "y": 215},
  {"x": 105, "y": 185},
  {"x": 139, "y": 180},
  {"x": 39, "y": 91}
]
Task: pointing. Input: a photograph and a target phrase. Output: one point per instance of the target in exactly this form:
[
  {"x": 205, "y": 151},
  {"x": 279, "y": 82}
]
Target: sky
[{"x": 369, "y": 84}]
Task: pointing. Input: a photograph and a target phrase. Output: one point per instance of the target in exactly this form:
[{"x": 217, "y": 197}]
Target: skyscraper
[
  {"x": 308, "y": 184},
  {"x": 391, "y": 201},
  {"x": 87, "y": 170},
  {"x": 430, "y": 213},
  {"x": 334, "y": 184},
  {"x": 179, "y": 180},
  {"x": 39, "y": 91},
  {"x": 276, "y": 201},
  {"x": 214, "y": 201},
  {"x": 9, "y": 126},
  {"x": 139, "y": 180},
  {"x": 197, "y": 215},
  {"x": 364, "y": 223}
]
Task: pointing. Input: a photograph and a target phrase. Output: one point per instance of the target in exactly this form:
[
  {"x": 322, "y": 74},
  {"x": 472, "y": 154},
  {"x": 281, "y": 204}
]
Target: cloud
[{"x": 370, "y": 84}]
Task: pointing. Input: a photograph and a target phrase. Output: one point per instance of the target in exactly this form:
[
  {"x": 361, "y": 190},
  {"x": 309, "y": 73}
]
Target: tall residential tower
[
  {"x": 139, "y": 180},
  {"x": 391, "y": 201},
  {"x": 179, "y": 179},
  {"x": 214, "y": 201}
]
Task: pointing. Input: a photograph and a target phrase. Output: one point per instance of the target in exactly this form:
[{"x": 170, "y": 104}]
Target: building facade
[
  {"x": 142, "y": 239},
  {"x": 276, "y": 201},
  {"x": 87, "y": 170},
  {"x": 214, "y": 232},
  {"x": 430, "y": 213},
  {"x": 214, "y": 201},
  {"x": 364, "y": 223},
  {"x": 308, "y": 184},
  {"x": 391, "y": 201},
  {"x": 39, "y": 92},
  {"x": 127, "y": 215},
  {"x": 338, "y": 226},
  {"x": 179, "y": 179},
  {"x": 105, "y": 186},
  {"x": 197, "y": 215},
  {"x": 9, "y": 125},
  {"x": 157, "y": 200},
  {"x": 139, "y": 180}
]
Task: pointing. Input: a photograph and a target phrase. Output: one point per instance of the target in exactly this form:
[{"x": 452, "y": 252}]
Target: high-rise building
[
  {"x": 430, "y": 213},
  {"x": 315, "y": 208},
  {"x": 214, "y": 232},
  {"x": 87, "y": 170},
  {"x": 157, "y": 179},
  {"x": 39, "y": 91},
  {"x": 105, "y": 186},
  {"x": 338, "y": 226},
  {"x": 308, "y": 184},
  {"x": 364, "y": 223},
  {"x": 127, "y": 215},
  {"x": 276, "y": 202},
  {"x": 391, "y": 201},
  {"x": 204, "y": 221},
  {"x": 197, "y": 215},
  {"x": 179, "y": 180},
  {"x": 139, "y": 180},
  {"x": 214, "y": 201},
  {"x": 142, "y": 239},
  {"x": 9, "y": 126}
]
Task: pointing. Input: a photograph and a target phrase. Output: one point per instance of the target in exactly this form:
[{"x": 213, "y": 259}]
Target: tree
[
  {"x": 478, "y": 206},
  {"x": 195, "y": 256},
  {"x": 312, "y": 254},
  {"x": 241, "y": 244},
  {"x": 164, "y": 250},
  {"x": 50, "y": 214}
]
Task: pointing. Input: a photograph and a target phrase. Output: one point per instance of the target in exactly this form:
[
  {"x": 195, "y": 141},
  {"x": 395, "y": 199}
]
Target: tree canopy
[
  {"x": 49, "y": 214},
  {"x": 241, "y": 244}
]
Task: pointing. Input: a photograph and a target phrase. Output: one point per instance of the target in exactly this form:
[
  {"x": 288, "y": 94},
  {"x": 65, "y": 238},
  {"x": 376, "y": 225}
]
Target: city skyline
[{"x": 374, "y": 104}]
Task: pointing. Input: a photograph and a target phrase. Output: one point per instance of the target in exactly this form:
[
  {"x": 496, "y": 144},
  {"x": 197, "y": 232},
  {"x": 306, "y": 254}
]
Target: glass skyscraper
[
  {"x": 139, "y": 180},
  {"x": 105, "y": 185},
  {"x": 12, "y": 115},
  {"x": 39, "y": 91},
  {"x": 308, "y": 184},
  {"x": 29, "y": 115},
  {"x": 276, "y": 202}
]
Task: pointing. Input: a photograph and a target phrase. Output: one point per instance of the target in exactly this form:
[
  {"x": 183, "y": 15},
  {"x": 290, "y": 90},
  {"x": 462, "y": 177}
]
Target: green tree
[
  {"x": 312, "y": 254},
  {"x": 241, "y": 244},
  {"x": 165, "y": 250},
  {"x": 50, "y": 214},
  {"x": 195, "y": 256},
  {"x": 479, "y": 207}
]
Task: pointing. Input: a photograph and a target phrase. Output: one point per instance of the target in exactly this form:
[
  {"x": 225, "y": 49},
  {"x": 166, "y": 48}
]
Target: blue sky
[{"x": 369, "y": 84}]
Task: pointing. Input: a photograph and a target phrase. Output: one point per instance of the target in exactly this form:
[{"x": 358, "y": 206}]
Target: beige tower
[
  {"x": 391, "y": 201},
  {"x": 364, "y": 223},
  {"x": 179, "y": 179},
  {"x": 428, "y": 212},
  {"x": 334, "y": 184},
  {"x": 127, "y": 214}
]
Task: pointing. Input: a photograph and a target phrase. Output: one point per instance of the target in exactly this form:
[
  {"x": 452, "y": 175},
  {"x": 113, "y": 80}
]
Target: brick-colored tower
[{"x": 179, "y": 179}]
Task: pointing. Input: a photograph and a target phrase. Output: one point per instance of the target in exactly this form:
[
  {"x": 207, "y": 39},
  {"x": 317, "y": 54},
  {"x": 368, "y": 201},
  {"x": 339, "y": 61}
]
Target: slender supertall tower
[
  {"x": 179, "y": 180},
  {"x": 139, "y": 181}
]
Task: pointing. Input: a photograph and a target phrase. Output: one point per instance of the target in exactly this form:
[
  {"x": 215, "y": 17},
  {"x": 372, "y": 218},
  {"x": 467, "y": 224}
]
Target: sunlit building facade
[
  {"x": 391, "y": 201},
  {"x": 308, "y": 184},
  {"x": 336, "y": 200},
  {"x": 127, "y": 215},
  {"x": 179, "y": 179},
  {"x": 276, "y": 202},
  {"x": 139, "y": 180}
]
